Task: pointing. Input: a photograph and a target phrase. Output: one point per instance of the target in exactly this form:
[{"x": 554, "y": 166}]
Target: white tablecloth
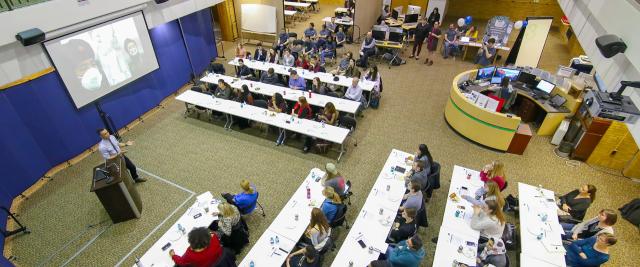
[
  {"x": 309, "y": 75},
  {"x": 348, "y": 22},
  {"x": 308, "y": 127},
  {"x": 535, "y": 204},
  {"x": 155, "y": 256},
  {"x": 456, "y": 228},
  {"x": 370, "y": 226},
  {"x": 296, "y": 4},
  {"x": 342, "y": 105},
  {"x": 285, "y": 226}
]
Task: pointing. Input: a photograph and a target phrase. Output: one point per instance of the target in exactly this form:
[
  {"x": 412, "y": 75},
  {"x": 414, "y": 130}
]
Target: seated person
[
  {"x": 603, "y": 223},
  {"x": 329, "y": 114},
  {"x": 424, "y": 155},
  {"x": 324, "y": 32},
  {"x": 310, "y": 47},
  {"x": 494, "y": 253},
  {"x": 223, "y": 91},
  {"x": 373, "y": 75},
  {"x": 494, "y": 172},
  {"x": 367, "y": 49},
  {"x": 404, "y": 227},
  {"x": 341, "y": 37},
  {"x": 314, "y": 65},
  {"x": 412, "y": 199},
  {"x": 331, "y": 203},
  {"x": 331, "y": 25},
  {"x": 270, "y": 77},
  {"x": 288, "y": 59},
  {"x": 296, "y": 47},
  {"x": 304, "y": 257},
  {"x": 243, "y": 95},
  {"x": 407, "y": 253},
  {"x": 590, "y": 252},
  {"x": 505, "y": 91},
  {"x": 328, "y": 50},
  {"x": 260, "y": 53},
  {"x": 272, "y": 56},
  {"x": 318, "y": 230},
  {"x": 204, "y": 249},
  {"x": 352, "y": 70},
  {"x": 333, "y": 178},
  {"x": 472, "y": 33},
  {"x": 302, "y": 109},
  {"x": 243, "y": 71},
  {"x": 296, "y": 82},
  {"x": 246, "y": 200},
  {"x": 489, "y": 220},
  {"x": 450, "y": 41},
  {"x": 311, "y": 31},
  {"x": 486, "y": 53},
  {"x": 303, "y": 61},
  {"x": 354, "y": 92},
  {"x": 344, "y": 64},
  {"x": 228, "y": 217},
  {"x": 318, "y": 87},
  {"x": 489, "y": 191},
  {"x": 575, "y": 203},
  {"x": 418, "y": 174},
  {"x": 283, "y": 41},
  {"x": 277, "y": 103}
]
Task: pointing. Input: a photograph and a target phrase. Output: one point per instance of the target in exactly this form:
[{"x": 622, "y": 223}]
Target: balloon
[
  {"x": 525, "y": 23},
  {"x": 468, "y": 20},
  {"x": 518, "y": 24},
  {"x": 461, "y": 22}
]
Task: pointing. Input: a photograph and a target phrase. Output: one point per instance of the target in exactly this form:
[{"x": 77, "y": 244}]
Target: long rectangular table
[
  {"x": 455, "y": 231},
  {"x": 158, "y": 254},
  {"x": 297, "y": 4},
  {"x": 341, "y": 104},
  {"x": 479, "y": 45},
  {"x": 310, "y": 128},
  {"x": 346, "y": 22},
  {"x": 376, "y": 216},
  {"x": 309, "y": 75},
  {"x": 285, "y": 226},
  {"x": 540, "y": 231}
]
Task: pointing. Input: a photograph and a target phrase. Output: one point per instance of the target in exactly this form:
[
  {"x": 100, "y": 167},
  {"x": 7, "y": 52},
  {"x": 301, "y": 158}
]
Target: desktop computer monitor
[
  {"x": 527, "y": 78},
  {"x": 485, "y": 73},
  {"x": 411, "y": 18},
  {"x": 545, "y": 86},
  {"x": 502, "y": 72},
  {"x": 395, "y": 14},
  {"x": 379, "y": 32},
  {"x": 395, "y": 34}
]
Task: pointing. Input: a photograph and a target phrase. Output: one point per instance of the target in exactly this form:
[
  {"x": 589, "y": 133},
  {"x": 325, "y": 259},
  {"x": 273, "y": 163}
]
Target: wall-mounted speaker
[
  {"x": 31, "y": 36},
  {"x": 610, "y": 45}
]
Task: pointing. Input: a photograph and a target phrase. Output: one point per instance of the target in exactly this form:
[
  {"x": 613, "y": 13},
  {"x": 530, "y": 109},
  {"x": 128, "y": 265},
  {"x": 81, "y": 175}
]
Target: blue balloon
[
  {"x": 524, "y": 23},
  {"x": 467, "y": 20}
]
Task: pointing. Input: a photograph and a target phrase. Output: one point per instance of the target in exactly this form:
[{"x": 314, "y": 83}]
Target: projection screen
[
  {"x": 533, "y": 41},
  {"x": 98, "y": 60}
]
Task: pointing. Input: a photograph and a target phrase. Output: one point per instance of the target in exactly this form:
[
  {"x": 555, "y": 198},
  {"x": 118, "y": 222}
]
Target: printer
[{"x": 612, "y": 106}]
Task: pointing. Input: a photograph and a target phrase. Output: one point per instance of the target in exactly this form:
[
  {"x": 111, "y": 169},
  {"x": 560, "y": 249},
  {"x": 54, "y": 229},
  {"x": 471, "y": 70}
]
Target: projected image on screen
[{"x": 103, "y": 58}]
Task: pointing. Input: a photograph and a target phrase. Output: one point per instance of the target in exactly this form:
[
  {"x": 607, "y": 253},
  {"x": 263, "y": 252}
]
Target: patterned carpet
[{"x": 201, "y": 156}]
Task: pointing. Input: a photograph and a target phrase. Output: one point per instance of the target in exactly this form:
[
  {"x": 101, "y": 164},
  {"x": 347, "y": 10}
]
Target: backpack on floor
[{"x": 509, "y": 236}]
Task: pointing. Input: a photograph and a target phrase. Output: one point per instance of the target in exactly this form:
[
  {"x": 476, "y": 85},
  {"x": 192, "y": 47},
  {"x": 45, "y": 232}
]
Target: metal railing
[{"x": 8, "y": 5}]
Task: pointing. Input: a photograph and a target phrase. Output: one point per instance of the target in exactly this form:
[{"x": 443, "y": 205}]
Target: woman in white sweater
[{"x": 489, "y": 220}]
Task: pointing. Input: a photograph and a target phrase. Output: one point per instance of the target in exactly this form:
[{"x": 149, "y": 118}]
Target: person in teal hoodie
[{"x": 407, "y": 253}]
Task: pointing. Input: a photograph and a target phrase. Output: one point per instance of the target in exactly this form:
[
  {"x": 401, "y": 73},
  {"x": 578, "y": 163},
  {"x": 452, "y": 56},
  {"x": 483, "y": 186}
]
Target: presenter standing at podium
[{"x": 110, "y": 148}]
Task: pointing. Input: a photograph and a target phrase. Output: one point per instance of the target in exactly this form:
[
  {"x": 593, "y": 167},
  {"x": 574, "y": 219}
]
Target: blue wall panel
[{"x": 198, "y": 36}]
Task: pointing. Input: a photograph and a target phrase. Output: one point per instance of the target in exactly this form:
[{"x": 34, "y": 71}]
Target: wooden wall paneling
[{"x": 616, "y": 148}]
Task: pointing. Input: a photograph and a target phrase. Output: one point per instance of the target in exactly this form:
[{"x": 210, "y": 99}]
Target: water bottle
[
  {"x": 138, "y": 263},
  {"x": 181, "y": 229},
  {"x": 252, "y": 264},
  {"x": 322, "y": 122},
  {"x": 309, "y": 93},
  {"x": 271, "y": 241},
  {"x": 308, "y": 192},
  {"x": 277, "y": 240}
]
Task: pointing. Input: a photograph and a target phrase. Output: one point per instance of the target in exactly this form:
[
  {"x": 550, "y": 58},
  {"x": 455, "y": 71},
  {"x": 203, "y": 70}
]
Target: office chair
[
  {"x": 259, "y": 205},
  {"x": 421, "y": 217},
  {"x": 433, "y": 181},
  {"x": 339, "y": 220}
]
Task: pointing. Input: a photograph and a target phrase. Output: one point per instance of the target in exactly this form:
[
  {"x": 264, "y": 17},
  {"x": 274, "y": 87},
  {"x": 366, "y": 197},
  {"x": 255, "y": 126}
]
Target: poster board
[{"x": 258, "y": 18}]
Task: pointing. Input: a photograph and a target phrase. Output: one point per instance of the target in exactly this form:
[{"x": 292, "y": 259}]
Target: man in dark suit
[
  {"x": 242, "y": 71},
  {"x": 260, "y": 54}
]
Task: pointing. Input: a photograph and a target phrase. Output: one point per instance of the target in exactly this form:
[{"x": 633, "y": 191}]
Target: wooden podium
[{"x": 119, "y": 197}]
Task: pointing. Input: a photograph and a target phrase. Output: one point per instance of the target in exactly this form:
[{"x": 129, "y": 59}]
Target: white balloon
[
  {"x": 461, "y": 22},
  {"x": 518, "y": 24}
]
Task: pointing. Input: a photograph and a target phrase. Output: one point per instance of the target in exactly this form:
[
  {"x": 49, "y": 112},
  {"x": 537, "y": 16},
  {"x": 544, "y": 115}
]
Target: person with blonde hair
[
  {"x": 490, "y": 191},
  {"x": 318, "y": 230},
  {"x": 494, "y": 172},
  {"x": 228, "y": 217},
  {"x": 331, "y": 203},
  {"x": 246, "y": 200}
]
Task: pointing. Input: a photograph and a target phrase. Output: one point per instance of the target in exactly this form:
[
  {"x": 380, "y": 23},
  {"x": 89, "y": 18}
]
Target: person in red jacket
[
  {"x": 302, "y": 109},
  {"x": 204, "y": 249},
  {"x": 494, "y": 172}
]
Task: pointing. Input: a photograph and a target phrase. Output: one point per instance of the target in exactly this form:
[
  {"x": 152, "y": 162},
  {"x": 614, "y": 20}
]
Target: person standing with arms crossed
[
  {"x": 421, "y": 32},
  {"x": 110, "y": 148}
]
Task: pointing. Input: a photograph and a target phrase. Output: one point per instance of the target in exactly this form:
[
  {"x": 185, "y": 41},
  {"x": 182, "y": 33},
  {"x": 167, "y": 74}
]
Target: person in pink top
[{"x": 494, "y": 172}]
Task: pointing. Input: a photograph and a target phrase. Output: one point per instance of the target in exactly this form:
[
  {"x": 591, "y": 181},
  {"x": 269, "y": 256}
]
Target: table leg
[
  {"x": 341, "y": 151},
  {"x": 464, "y": 55}
]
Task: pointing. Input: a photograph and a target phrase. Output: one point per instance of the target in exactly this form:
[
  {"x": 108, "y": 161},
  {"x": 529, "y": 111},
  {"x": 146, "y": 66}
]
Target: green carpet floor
[{"x": 201, "y": 156}]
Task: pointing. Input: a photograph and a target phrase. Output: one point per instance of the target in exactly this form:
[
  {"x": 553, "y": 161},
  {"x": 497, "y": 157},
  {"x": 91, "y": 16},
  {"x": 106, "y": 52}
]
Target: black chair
[
  {"x": 349, "y": 123},
  {"x": 505, "y": 186},
  {"x": 238, "y": 239},
  {"x": 346, "y": 195},
  {"x": 293, "y": 35},
  {"x": 341, "y": 217},
  {"x": 228, "y": 259},
  {"x": 421, "y": 217},
  {"x": 433, "y": 180},
  {"x": 216, "y": 68}
]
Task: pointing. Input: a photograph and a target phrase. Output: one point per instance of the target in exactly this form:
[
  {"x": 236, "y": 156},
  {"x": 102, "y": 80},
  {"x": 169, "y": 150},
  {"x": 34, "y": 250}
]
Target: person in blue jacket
[
  {"x": 590, "y": 252},
  {"x": 407, "y": 253},
  {"x": 331, "y": 203},
  {"x": 246, "y": 200}
]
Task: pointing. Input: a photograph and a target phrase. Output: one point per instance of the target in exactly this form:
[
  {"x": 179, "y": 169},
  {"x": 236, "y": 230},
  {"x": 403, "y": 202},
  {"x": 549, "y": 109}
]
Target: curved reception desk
[{"x": 497, "y": 130}]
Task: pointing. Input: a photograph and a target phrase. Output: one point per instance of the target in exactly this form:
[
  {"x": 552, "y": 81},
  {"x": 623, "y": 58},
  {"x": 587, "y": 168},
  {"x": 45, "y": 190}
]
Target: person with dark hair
[
  {"x": 134, "y": 58},
  {"x": 432, "y": 42},
  {"x": 404, "y": 227},
  {"x": 305, "y": 257},
  {"x": 341, "y": 37},
  {"x": 302, "y": 109},
  {"x": 407, "y": 253},
  {"x": 243, "y": 95},
  {"x": 418, "y": 174},
  {"x": 590, "y": 252},
  {"x": 204, "y": 249},
  {"x": 450, "y": 41},
  {"x": 243, "y": 71},
  {"x": 328, "y": 50},
  {"x": 576, "y": 202},
  {"x": 311, "y": 31},
  {"x": 412, "y": 199},
  {"x": 486, "y": 53},
  {"x": 270, "y": 77},
  {"x": 506, "y": 92},
  {"x": 88, "y": 72},
  {"x": 110, "y": 148},
  {"x": 277, "y": 104},
  {"x": 324, "y": 32},
  {"x": 603, "y": 223},
  {"x": 260, "y": 54},
  {"x": 272, "y": 56},
  {"x": 373, "y": 75},
  {"x": 434, "y": 16},
  {"x": 296, "y": 82},
  {"x": 223, "y": 91},
  {"x": 344, "y": 64},
  {"x": 424, "y": 155},
  {"x": 282, "y": 41},
  {"x": 318, "y": 86},
  {"x": 288, "y": 60}
]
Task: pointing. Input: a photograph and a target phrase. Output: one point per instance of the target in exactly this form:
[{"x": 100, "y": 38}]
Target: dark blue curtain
[{"x": 41, "y": 128}]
